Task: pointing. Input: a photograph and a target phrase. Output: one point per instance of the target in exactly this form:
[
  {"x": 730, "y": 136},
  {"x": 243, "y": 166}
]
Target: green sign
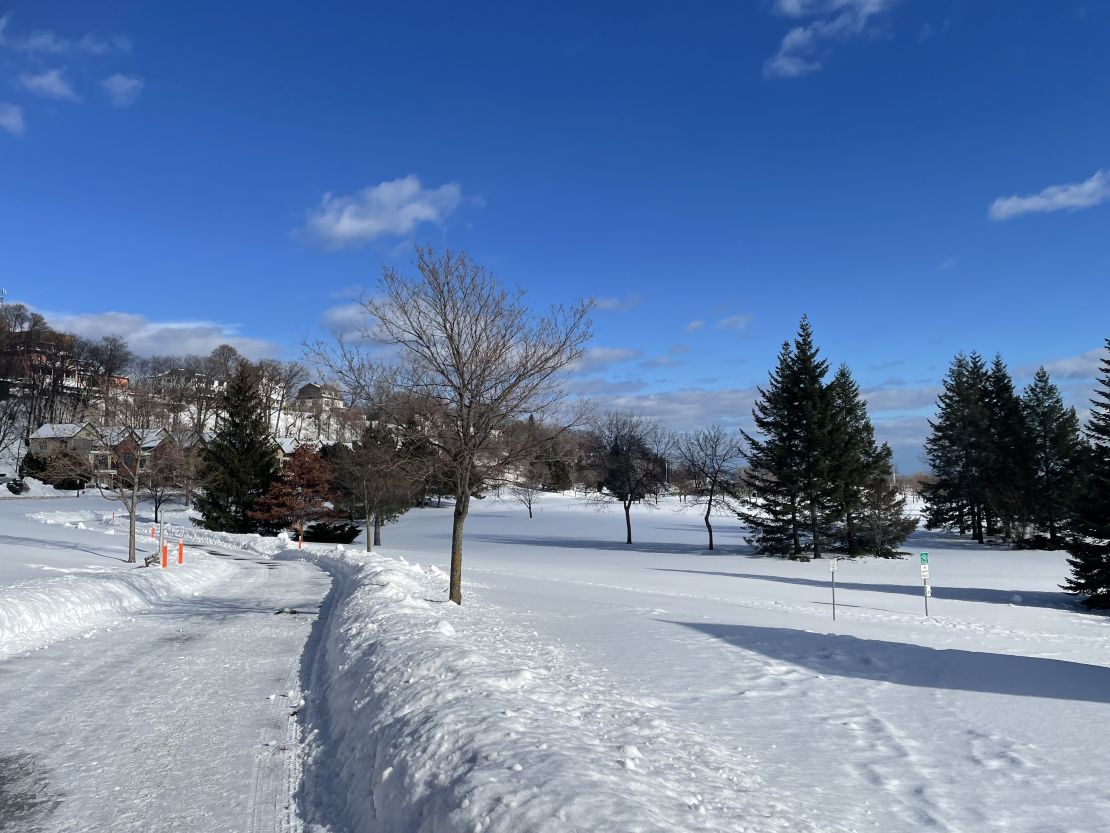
[{"x": 924, "y": 558}]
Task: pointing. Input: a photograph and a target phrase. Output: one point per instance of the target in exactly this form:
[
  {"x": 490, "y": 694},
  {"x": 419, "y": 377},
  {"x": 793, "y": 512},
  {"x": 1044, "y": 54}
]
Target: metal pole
[
  {"x": 833, "y": 574},
  {"x": 925, "y": 585}
]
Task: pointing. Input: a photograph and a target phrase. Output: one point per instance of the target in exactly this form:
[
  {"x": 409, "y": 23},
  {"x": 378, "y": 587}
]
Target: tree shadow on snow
[
  {"x": 55, "y": 545},
  {"x": 917, "y": 665},
  {"x": 595, "y": 544},
  {"x": 1028, "y": 598}
]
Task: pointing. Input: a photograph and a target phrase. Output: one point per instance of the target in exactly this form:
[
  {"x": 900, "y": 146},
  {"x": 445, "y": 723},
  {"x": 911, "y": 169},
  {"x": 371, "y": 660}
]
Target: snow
[
  {"x": 584, "y": 684},
  {"x": 746, "y": 705},
  {"x": 64, "y": 570}
]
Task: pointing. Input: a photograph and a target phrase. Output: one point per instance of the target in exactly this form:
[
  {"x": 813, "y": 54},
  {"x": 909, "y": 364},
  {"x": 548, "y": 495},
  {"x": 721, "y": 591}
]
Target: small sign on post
[
  {"x": 925, "y": 580},
  {"x": 832, "y": 576}
]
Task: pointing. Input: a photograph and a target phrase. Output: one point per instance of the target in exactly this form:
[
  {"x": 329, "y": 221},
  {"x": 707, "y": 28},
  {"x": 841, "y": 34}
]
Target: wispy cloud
[
  {"x": 734, "y": 323},
  {"x": 123, "y": 90},
  {"x": 46, "y": 42},
  {"x": 802, "y": 48},
  {"x": 597, "y": 359},
  {"x": 11, "y": 119},
  {"x": 1084, "y": 367},
  {"x": 694, "y": 326},
  {"x": 1071, "y": 197},
  {"x": 393, "y": 208},
  {"x": 51, "y": 83},
  {"x": 147, "y": 337},
  {"x": 620, "y": 304}
]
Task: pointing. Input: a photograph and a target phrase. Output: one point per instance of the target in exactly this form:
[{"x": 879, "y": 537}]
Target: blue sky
[{"x": 920, "y": 177}]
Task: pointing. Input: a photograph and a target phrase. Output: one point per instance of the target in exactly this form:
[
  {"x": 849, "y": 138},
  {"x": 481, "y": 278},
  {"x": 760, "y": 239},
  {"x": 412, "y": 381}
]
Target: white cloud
[
  {"x": 837, "y": 20},
  {"x": 11, "y": 116},
  {"x": 734, "y": 323},
  {"x": 620, "y": 304},
  {"x": 694, "y": 326},
  {"x": 1085, "y": 366},
  {"x": 1071, "y": 197},
  {"x": 50, "y": 83},
  {"x": 122, "y": 89},
  {"x": 149, "y": 338},
  {"x": 47, "y": 42},
  {"x": 393, "y": 208},
  {"x": 347, "y": 320},
  {"x": 597, "y": 359}
]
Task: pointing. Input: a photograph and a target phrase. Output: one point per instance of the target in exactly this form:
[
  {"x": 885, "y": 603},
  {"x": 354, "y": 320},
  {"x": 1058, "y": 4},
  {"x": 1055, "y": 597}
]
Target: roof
[
  {"x": 288, "y": 444},
  {"x": 59, "y": 430}
]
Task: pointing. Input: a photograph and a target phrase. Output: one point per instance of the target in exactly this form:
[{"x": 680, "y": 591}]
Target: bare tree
[
  {"x": 630, "y": 456},
  {"x": 528, "y": 484},
  {"x": 110, "y": 358},
  {"x": 710, "y": 458},
  {"x": 474, "y": 359}
]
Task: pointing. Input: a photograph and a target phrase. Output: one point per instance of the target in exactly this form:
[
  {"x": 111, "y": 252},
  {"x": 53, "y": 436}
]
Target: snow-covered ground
[
  {"x": 584, "y": 684},
  {"x": 743, "y": 700}
]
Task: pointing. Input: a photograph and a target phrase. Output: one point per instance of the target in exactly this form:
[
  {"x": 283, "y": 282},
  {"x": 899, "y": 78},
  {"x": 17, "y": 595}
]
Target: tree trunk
[
  {"x": 462, "y": 506},
  {"x": 814, "y": 531},
  {"x": 366, "y": 504},
  {"x": 708, "y": 512},
  {"x": 529, "y": 509},
  {"x": 377, "y": 531},
  {"x": 132, "y": 509},
  {"x": 628, "y": 521}
]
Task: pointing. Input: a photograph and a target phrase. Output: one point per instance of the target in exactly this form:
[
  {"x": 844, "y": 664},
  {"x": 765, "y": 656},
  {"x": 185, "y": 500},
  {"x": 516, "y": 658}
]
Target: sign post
[
  {"x": 832, "y": 575},
  {"x": 925, "y": 580}
]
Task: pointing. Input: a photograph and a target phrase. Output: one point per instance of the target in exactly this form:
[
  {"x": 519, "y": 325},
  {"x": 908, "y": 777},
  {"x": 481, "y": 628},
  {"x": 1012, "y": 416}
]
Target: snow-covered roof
[
  {"x": 150, "y": 438},
  {"x": 288, "y": 444},
  {"x": 59, "y": 431}
]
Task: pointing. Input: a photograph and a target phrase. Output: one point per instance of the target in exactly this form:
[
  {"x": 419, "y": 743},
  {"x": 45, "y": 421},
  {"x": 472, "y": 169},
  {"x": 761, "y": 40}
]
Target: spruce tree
[
  {"x": 857, "y": 459},
  {"x": 791, "y": 507},
  {"x": 883, "y": 524},
  {"x": 1090, "y": 545},
  {"x": 1008, "y": 472},
  {"x": 957, "y": 450},
  {"x": 239, "y": 463},
  {"x": 1056, "y": 445}
]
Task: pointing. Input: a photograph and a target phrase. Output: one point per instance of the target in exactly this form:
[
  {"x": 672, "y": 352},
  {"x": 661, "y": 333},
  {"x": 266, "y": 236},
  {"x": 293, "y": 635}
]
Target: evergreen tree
[
  {"x": 301, "y": 494},
  {"x": 857, "y": 462},
  {"x": 789, "y": 506},
  {"x": 379, "y": 477},
  {"x": 957, "y": 450},
  {"x": 239, "y": 463},
  {"x": 1090, "y": 546},
  {"x": 1008, "y": 471},
  {"x": 1056, "y": 450},
  {"x": 883, "y": 523}
]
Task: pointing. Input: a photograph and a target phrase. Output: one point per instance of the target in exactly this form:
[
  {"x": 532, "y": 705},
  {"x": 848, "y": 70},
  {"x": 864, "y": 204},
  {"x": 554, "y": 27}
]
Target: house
[
  {"x": 313, "y": 397},
  {"x": 55, "y": 437},
  {"x": 287, "y": 445}
]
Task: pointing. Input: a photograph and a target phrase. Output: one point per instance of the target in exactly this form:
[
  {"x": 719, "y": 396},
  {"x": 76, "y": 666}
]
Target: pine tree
[
  {"x": 1090, "y": 546},
  {"x": 239, "y": 463},
  {"x": 1008, "y": 471},
  {"x": 1056, "y": 445},
  {"x": 790, "y": 507},
  {"x": 857, "y": 459},
  {"x": 301, "y": 494},
  {"x": 883, "y": 523},
  {"x": 957, "y": 450}
]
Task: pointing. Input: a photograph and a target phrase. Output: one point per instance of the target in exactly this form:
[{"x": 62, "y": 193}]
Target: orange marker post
[
  {"x": 152, "y": 533},
  {"x": 180, "y": 551},
  {"x": 165, "y": 556},
  {"x": 300, "y": 537}
]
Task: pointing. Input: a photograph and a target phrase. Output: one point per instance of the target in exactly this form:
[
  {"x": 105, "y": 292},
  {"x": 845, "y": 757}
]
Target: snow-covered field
[{"x": 584, "y": 685}]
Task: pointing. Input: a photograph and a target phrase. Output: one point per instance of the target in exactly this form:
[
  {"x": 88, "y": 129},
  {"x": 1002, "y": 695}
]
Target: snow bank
[
  {"x": 424, "y": 717},
  {"x": 35, "y": 614}
]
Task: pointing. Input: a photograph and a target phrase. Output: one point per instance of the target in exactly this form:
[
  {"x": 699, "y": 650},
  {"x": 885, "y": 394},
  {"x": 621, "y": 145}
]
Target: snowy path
[{"x": 163, "y": 723}]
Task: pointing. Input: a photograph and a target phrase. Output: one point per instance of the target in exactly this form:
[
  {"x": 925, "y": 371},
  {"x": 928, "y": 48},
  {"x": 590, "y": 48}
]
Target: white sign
[
  {"x": 832, "y": 566},
  {"x": 925, "y": 571},
  {"x": 928, "y": 590}
]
